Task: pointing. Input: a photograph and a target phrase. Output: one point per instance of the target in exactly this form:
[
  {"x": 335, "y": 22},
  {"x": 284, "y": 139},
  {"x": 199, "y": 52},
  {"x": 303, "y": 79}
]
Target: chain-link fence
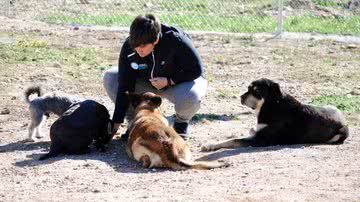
[
  {"x": 247, "y": 16},
  {"x": 5, "y": 8}
]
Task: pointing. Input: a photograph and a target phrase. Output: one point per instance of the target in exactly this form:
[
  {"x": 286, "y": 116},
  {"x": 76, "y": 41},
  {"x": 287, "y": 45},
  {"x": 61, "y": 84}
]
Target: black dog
[
  {"x": 76, "y": 129},
  {"x": 282, "y": 120}
]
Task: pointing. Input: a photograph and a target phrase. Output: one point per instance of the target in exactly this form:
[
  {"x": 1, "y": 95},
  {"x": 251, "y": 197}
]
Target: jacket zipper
[{"x": 153, "y": 67}]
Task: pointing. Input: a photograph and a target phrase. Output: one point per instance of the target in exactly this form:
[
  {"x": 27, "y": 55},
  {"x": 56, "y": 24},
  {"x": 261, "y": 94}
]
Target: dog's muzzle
[
  {"x": 249, "y": 100},
  {"x": 243, "y": 98}
]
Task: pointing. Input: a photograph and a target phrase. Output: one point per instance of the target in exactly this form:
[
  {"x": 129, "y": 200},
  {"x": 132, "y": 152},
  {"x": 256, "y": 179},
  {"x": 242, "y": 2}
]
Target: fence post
[
  {"x": 5, "y": 7},
  {"x": 279, "y": 31}
]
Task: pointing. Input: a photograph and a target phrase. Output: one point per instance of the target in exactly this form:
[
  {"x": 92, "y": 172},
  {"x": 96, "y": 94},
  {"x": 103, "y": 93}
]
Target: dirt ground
[{"x": 306, "y": 68}]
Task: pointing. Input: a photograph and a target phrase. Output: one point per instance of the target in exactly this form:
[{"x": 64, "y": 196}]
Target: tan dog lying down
[{"x": 153, "y": 142}]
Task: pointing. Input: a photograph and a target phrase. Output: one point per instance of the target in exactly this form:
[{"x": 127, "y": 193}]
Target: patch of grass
[
  {"x": 225, "y": 94},
  {"x": 25, "y": 51},
  {"x": 330, "y": 3},
  {"x": 329, "y": 61},
  {"x": 225, "y": 23},
  {"x": 280, "y": 55},
  {"x": 349, "y": 104},
  {"x": 79, "y": 56},
  {"x": 209, "y": 77},
  {"x": 36, "y": 51},
  {"x": 103, "y": 67},
  {"x": 214, "y": 117},
  {"x": 329, "y": 25},
  {"x": 238, "y": 23},
  {"x": 186, "y": 6},
  {"x": 32, "y": 44},
  {"x": 85, "y": 19}
]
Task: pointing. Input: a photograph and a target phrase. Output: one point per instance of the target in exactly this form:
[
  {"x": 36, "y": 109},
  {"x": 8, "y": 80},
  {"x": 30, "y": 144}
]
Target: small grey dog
[{"x": 41, "y": 107}]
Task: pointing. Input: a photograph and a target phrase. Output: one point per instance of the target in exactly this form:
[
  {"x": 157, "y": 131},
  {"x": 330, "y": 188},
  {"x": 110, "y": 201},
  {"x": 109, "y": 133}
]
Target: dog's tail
[
  {"x": 32, "y": 90},
  {"x": 173, "y": 160},
  {"x": 201, "y": 165},
  {"x": 183, "y": 164},
  {"x": 340, "y": 136}
]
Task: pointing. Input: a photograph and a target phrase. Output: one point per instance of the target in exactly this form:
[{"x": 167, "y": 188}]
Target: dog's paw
[
  {"x": 207, "y": 148},
  {"x": 39, "y": 135},
  {"x": 29, "y": 139},
  {"x": 99, "y": 146},
  {"x": 224, "y": 164}
]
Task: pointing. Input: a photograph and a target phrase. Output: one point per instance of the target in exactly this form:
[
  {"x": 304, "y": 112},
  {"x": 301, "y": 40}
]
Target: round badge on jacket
[
  {"x": 134, "y": 65},
  {"x": 137, "y": 66}
]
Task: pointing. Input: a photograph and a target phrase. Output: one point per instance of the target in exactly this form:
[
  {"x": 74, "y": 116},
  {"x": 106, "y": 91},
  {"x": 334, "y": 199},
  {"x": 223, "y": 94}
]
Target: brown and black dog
[
  {"x": 283, "y": 120},
  {"x": 153, "y": 142}
]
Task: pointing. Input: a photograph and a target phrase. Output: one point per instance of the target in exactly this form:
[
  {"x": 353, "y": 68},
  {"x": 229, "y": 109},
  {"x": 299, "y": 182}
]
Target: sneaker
[{"x": 182, "y": 129}]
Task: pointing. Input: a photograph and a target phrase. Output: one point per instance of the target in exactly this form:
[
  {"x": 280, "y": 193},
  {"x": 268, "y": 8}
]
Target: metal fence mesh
[
  {"x": 207, "y": 15},
  {"x": 247, "y": 16}
]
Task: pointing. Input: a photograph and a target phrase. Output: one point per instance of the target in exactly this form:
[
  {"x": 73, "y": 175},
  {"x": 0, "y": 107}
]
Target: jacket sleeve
[
  {"x": 187, "y": 61},
  {"x": 126, "y": 82}
]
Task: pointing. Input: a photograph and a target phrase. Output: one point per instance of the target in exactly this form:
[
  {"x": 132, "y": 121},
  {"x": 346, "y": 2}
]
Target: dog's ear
[
  {"x": 275, "y": 90},
  {"x": 156, "y": 101},
  {"x": 102, "y": 112},
  {"x": 134, "y": 99}
]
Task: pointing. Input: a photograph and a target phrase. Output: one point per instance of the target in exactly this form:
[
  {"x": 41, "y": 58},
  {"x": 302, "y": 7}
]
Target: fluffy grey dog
[{"x": 41, "y": 107}]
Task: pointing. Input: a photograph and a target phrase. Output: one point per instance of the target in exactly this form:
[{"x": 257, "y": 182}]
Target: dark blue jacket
[{"x": 174, "y": 57}]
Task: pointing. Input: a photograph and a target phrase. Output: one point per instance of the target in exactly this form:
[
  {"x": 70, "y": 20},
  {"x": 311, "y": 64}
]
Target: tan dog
[{"x": 153, "y": 142}]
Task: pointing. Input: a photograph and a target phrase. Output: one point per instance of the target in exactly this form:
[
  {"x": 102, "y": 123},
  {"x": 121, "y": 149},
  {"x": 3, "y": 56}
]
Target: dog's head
[
  {"x": 106, "y": 124},
  {"x": 260, "y": 91},
  {"x": 147, "y": 100}
]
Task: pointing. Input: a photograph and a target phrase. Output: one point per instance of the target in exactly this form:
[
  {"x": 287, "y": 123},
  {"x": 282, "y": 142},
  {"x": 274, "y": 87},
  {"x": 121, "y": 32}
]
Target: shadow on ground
[
  {"x": 115, "y": 156},
  {"x": 23, "y": 145},
  {"x": 218, "y": 117},
  {"x": 222, "y": 153}
]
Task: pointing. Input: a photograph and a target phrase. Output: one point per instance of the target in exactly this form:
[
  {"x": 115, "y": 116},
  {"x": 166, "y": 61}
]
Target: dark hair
[{"x": 144, "y": 30}]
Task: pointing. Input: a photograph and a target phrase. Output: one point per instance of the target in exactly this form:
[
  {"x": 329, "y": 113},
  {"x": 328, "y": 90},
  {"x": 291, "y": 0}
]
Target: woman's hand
[{"x": 159, "y": 82}]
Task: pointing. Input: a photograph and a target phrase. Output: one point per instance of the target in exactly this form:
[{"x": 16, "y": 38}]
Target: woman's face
[{"x": 145, "y": 49}]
